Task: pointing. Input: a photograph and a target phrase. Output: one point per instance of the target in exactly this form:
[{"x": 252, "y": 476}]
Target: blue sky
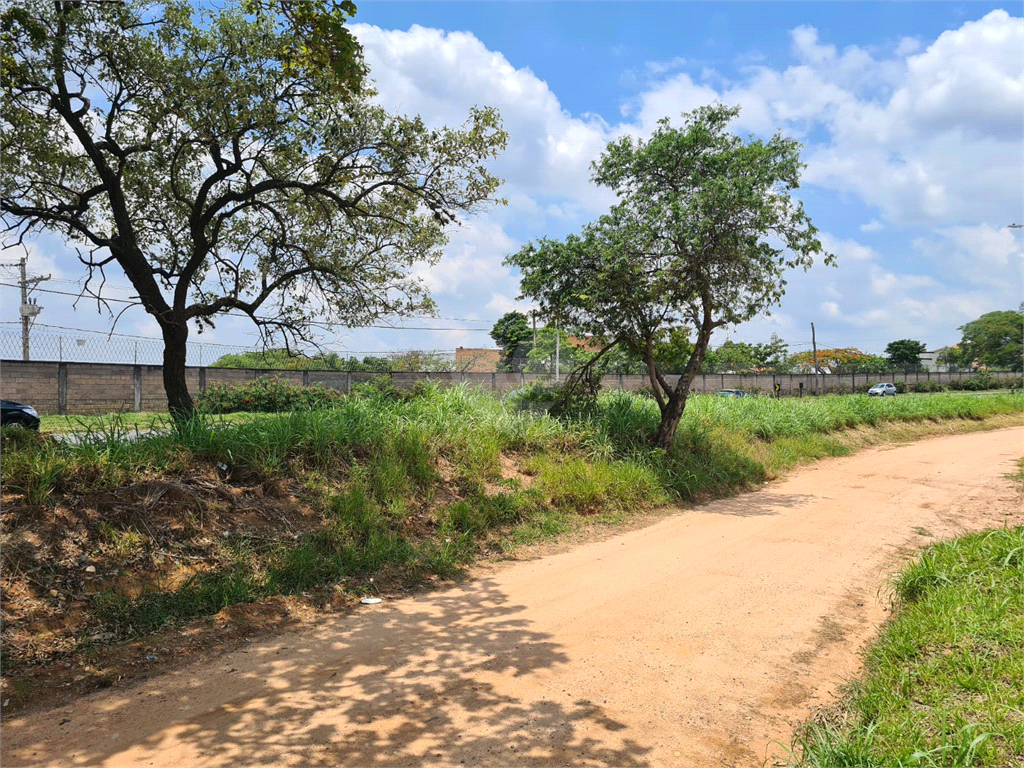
[{"x": 912, "y": 116}]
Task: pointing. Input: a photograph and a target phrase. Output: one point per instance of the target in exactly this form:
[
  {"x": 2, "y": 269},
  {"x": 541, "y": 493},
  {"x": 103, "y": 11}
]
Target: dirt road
[{"x": 695, "y": 641}]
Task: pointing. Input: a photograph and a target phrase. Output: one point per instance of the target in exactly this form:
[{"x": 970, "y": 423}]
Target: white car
[{"x": 881, "y": 390}]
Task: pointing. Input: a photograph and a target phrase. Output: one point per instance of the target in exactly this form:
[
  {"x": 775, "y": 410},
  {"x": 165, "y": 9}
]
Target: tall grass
[
  {"x": 373, "y": 466},
  {"x": 942, "y": 685},
  {"x": 401, "y": 441}
]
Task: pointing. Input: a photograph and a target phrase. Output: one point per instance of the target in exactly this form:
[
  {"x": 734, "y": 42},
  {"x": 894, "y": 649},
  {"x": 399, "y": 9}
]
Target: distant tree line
[
  {"x": 290, "y": 360},
  {"x": 993, "y": 341}
]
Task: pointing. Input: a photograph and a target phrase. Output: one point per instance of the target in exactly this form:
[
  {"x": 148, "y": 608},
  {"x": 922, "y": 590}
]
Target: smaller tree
[
  {"x": 772, "y": 357},
  {"x": 701, "y": 236},
  {"x": 905, "y": 354},
  {"x": 841, "y": 360},
  {"x": 513, "y": 334},
  {"x": 672, "y": 350},
  {"x": 952, "y": 358},
  {"x": 281, "y": 359},
  {"x": 541, "y": 358},
  {"x": 741, "y": 357},
  {"x": 731, "y": 357},
  {"x": 414, "y": 360}
]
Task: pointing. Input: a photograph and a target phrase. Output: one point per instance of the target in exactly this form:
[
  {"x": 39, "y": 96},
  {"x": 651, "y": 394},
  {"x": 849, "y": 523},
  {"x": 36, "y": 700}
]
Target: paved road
[{"x": 695, "y": 641}]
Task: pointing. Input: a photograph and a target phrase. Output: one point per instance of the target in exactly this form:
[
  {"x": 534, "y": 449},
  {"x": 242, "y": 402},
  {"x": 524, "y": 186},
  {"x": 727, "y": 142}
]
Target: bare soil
[
  {"x": 155, "y": 533},
  {"x": 700, "y": 639}
]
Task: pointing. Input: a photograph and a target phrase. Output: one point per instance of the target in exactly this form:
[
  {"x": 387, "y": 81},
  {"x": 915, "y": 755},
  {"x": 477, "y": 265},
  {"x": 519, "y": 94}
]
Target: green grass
[
  {"x": 943, "y": 683},
  {"x": 123, "y": 422},
  {"x": 373, "y": 468}
]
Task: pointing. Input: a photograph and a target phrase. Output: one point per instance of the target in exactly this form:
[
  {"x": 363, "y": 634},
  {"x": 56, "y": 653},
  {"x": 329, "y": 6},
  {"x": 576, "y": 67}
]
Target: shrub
[{"x": 266, "y": 396}]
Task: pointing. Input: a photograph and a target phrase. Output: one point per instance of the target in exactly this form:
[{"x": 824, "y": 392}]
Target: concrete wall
[{"x": 90, "y": 388}]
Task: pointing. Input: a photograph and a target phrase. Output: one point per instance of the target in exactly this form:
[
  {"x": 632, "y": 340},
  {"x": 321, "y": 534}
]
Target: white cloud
[
  {"x": 661, "y": 67},
  {"x": 979, "y": 255},
  {"x": 472, "y": 263},
  {"x": 907, "y": 46},
  {"x": 501, "y": 303},
  {"x": 928, "y": 137},
  {"x": 441, "y": 75},
  {"x": 882, "y": 282},
  {"x": 945, "y": 145},
  {"x": 847, "y": 250},
  {"x": 872, "y": 226}
]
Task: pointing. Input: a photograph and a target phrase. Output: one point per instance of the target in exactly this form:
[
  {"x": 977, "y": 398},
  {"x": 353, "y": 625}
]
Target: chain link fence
[
  {"x": 99, "y": 348},
  {"x": 90, "y": 347}
]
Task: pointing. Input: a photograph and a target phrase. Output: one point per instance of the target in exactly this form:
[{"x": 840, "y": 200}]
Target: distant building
[
  {"x": 929, "y": 360},
  {"x": 476, "y": 360}
]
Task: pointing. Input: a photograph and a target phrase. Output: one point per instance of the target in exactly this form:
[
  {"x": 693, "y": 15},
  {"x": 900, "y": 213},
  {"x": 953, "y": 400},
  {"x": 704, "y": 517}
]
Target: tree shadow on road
[
  {"x": 759, "y": 504},
  {"x": 420, "y": 682}
]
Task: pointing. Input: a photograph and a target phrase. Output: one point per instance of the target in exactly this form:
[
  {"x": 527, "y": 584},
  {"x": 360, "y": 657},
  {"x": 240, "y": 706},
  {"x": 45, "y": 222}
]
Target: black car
[{"x": 16, "y": 414}]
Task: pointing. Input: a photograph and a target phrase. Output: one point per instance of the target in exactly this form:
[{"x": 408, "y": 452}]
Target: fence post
[
  {"x": 494, "y": 382},
  {"x": 60, "y": 349},
  {"x": 522, "y": 378},
  {"x": 202, "y": 380},
  {"x": 305, "y": 377},
  {"x": 137, "y": 381},
  {"x": 622, "y": 383},
  {"x": 62, "y": 388},
  {"x": 348, "y": 382}
]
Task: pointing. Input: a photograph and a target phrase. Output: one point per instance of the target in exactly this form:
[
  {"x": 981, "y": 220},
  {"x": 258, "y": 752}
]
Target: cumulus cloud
[
  {"x": 441, "y": 75},
  {"x": 926, "y": 136}
]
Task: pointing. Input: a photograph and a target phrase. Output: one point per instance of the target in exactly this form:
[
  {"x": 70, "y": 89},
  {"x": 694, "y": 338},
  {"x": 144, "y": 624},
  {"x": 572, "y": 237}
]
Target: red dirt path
[{"x": 698, "y": 640}]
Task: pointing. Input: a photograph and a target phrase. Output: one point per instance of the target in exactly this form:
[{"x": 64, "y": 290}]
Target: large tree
[
  {"x": 703, "y": 231},
  {"x": 994, "y": 340},
  {"x": 228, "y": 158},
  {"x": 905, "y": 354}
]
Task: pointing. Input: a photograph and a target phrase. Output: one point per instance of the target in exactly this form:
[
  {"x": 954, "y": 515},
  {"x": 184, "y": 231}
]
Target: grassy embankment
[
  {"x": 153, "y": 420},
  {"x": 943, "y": 682},
  {"x": 392, "y": 487}
]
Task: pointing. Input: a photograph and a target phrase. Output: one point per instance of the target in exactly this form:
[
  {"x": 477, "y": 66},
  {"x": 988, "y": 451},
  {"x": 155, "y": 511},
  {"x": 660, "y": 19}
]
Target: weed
[{"x": 942, "y": 683}]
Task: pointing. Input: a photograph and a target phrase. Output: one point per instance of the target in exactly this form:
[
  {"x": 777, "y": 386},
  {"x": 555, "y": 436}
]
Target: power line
[
  {"x": 76, "y": 295},
  {"x": 127, "y": 288},
  {"x": 235, "y": 314}
]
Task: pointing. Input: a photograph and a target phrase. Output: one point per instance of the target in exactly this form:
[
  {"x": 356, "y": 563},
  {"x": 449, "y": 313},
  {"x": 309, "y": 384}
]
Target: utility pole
[
  {"x": 558, "y": 349},
  {"x": 533, "y": 315},
  {"x": 814, "y": 344},
  {"x": 29, "y": 309}
]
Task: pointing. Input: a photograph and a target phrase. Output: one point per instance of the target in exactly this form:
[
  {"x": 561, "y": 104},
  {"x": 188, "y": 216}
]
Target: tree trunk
[
  {"x": 179, "y": 401},
  {"x": 670, "y": 417}
]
